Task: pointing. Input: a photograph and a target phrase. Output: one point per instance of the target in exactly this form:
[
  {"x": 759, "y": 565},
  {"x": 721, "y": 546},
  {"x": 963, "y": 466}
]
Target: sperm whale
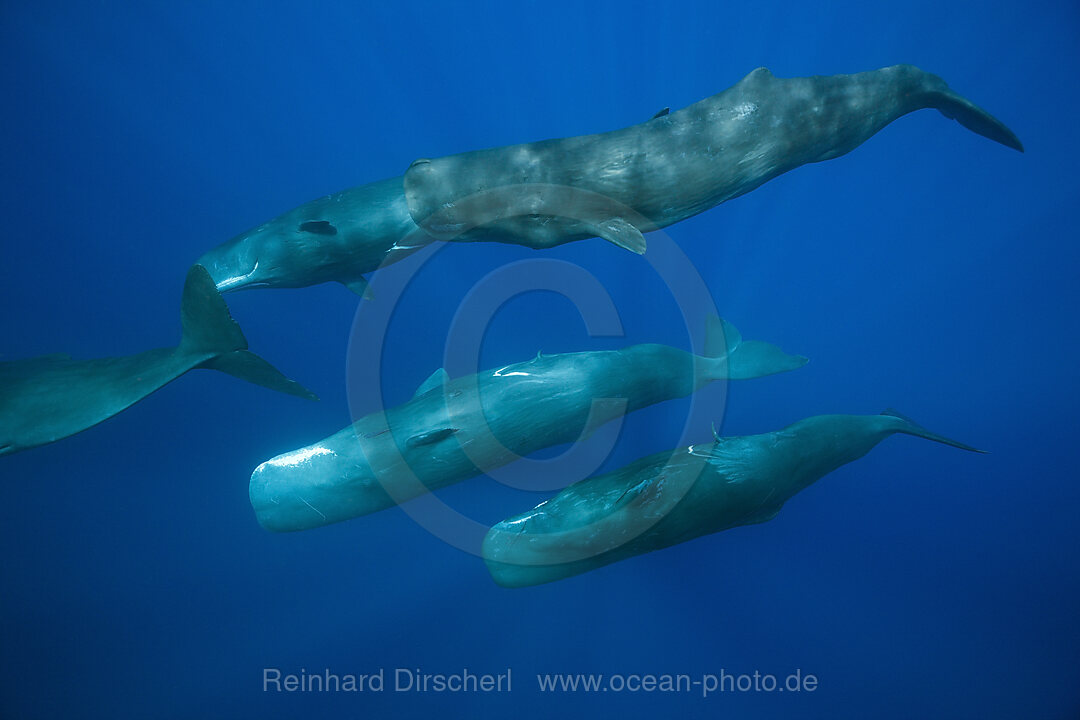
[
  {"x": 678, "y": 495},
  {"x": 454, "y": 429},
  {"x": 620, "y": 184}
]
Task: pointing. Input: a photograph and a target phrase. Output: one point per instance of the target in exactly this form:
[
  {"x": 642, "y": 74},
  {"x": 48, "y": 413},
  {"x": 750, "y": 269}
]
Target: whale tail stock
[
  {"x": 910, "y": 427},
  {"x": 952, "y": 105},
  {"x": 744, "y": 359},
  {"x": 210, "y": 330}
]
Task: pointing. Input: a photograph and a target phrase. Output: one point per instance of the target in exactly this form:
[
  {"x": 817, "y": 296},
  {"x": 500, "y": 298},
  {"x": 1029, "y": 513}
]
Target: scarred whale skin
[
  {"x": 454, "y": 429},
  {"x": 675, "y": 496},
  {"x": 48, "y": 398},
  {"x": 339, "y": 238},
  {"x": 620, "y": 184}
]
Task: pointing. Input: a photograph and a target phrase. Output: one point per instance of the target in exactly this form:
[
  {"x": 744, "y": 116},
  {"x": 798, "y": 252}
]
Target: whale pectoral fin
[
  {"x": 661, "y": 113},
  {"x": 436, "y": 380},
  {"x": 620, "y": 232},
  {"x": 430, "y": 438},
  {"x": 360, "y": 286},
  {"x": 763, "y": 516}
]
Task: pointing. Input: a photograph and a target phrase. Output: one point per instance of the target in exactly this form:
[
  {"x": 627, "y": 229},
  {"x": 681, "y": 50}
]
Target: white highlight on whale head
[
  {"x": 298, "y": 457},
  {"x": 500, "y": 373}
]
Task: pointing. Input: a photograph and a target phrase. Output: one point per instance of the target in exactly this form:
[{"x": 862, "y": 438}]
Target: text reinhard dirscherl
[
  {"x": 466, "y": 681},
  {"x": 398, "y": 680}
]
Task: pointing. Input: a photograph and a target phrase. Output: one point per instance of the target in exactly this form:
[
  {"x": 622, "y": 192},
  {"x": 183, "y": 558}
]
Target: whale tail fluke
[
  {"x": 910, "y": 427},
  {"x": 970, "y": 115},
  {"x": 745, "y": 359},
  {"x": 209, "y": 329},
  {"x": 248, "y": 366},
  {"x": 204, "y": 316}
]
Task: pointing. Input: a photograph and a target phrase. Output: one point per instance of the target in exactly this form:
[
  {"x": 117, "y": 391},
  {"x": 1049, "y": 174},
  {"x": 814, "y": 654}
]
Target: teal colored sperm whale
[
  {"x": 48, "y": 398},
  {"x": 455, "y": 429},
  {"x": 615, "y": 185},
  {"x": 337, "y": 238},
  {"x": 675, "y": 496}
]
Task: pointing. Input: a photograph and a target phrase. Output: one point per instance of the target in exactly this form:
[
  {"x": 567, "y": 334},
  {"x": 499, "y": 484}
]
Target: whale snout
[
  {"x": 285, "y": 493},
  {"x": 233, "y": 267},
  {"x": 226, "y": 282}
]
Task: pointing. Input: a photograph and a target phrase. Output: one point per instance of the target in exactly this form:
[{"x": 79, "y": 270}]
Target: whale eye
[{"x": 318, "y": 227}]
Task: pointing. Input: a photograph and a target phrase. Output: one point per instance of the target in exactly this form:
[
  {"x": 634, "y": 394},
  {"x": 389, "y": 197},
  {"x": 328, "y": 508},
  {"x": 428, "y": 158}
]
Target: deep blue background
[{"x": 930, "y": 270}]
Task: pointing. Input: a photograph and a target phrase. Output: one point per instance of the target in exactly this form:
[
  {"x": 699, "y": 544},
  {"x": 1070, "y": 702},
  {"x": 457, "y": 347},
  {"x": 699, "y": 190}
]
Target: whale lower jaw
[
  {"x": 233, "y": 284},
  {"x": 240, "y": 282}
]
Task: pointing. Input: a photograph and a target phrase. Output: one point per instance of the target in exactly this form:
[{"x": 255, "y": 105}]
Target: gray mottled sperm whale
[
  {"x": 48, "y": 398},
  {"x": 675, "y": 496},
  {"x": 339, "y": 238},
  {"x": 615, "y": 185},
  {"x": 620, "y": 184},
  {"x": 454, "y": 429}
]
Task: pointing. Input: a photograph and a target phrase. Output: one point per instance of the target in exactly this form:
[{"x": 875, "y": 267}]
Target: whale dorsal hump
[
  {"x": 661, "y": 113},
  {"x": 436, "y": 380}
]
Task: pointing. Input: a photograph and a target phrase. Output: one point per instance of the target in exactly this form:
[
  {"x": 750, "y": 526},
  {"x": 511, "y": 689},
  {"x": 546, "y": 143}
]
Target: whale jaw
[
  {"x": 229, "y": 273},
  {"x": 241, "y": 282}
]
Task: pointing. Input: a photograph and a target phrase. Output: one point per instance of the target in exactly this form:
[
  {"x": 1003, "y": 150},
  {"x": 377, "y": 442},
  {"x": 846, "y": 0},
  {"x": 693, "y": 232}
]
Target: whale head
[
  {"x": 294, "y": 491},
  {"x": 257, "y": 258},
  {"x": 334, "y": 238},
  {"x": 275, "y": 254},
  {"x": 234, "y": 265}
]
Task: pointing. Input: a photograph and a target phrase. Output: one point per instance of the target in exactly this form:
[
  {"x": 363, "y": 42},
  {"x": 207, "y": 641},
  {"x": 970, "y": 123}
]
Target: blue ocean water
[{"x": 929, "y": 270}]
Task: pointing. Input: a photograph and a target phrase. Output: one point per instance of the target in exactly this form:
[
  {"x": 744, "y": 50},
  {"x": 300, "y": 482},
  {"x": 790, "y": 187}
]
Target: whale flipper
[
  {"x": 209, "y": 329},
  {"x": 618, "y": 231},
  {"x": 360, "y": 286},
  {"x": 910, "y": 427}
]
